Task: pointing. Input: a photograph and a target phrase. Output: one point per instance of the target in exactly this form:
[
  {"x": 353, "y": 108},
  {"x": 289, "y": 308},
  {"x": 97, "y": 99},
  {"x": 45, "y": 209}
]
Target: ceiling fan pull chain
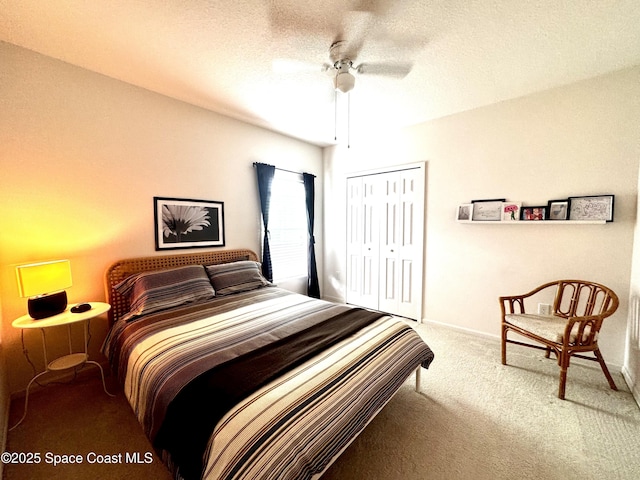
[
  {"x": 349, "y": 120},
  {"x": 335, "y": 115}
]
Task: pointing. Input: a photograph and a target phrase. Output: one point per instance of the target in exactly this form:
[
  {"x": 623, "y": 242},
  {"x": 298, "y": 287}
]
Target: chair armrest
[
  {"x": 507, "y": 304},
  {"x": 512, "y": 301},
  {"x": 582, "y": 330}
]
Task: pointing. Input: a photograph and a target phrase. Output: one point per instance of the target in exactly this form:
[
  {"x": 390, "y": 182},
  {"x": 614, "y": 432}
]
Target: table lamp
[{"x": 44, "y": 284}]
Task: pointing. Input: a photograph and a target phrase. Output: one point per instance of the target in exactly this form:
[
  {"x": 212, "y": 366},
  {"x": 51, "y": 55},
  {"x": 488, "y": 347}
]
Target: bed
[{"x": 232, "y": 377}]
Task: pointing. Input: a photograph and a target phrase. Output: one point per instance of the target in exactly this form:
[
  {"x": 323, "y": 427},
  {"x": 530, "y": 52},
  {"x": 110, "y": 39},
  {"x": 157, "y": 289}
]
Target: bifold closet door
[
  {"x": 385, "y": 225},
  {"x": 401, "y": 243},
  {"x": 363, "y": 244}
]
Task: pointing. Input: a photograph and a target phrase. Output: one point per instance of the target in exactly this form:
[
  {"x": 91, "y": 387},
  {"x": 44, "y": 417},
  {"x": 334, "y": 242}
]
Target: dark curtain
[
  {"x": 313, "y": 288},
  {"x": 265, "y": 178}
]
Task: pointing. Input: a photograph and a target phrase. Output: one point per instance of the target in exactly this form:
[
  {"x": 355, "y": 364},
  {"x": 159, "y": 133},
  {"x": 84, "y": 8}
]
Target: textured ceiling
[{"x": 260, "y": 60}]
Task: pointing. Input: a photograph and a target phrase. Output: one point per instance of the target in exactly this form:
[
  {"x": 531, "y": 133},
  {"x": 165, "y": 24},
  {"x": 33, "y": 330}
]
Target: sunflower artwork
[{"x": 187, "y": 223}]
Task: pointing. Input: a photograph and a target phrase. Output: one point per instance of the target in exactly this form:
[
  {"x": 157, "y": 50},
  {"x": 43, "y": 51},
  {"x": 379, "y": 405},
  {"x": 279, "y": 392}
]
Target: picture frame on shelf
[
  {"x": 591, "y": 207},
  {"x": 558, "y": 209},
  {"x": 534, "y": 214},
  {"x": 187, "y": 223},
  {"x": 487, "y": 210},
  {"x": 511, "y": 211},
  {"x": 464, "y": 212}
]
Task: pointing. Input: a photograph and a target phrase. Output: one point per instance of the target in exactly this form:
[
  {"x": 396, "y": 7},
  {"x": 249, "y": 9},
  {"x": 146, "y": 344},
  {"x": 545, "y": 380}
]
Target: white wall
[
  {"x": 580, "y": 139},
  {"x": 82, "y": 157},
  {"x": 631, "y": 367}
]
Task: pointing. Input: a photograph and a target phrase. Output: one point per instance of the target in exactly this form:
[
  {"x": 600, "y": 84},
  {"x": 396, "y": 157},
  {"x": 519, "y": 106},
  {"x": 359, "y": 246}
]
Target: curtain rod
[{"x": 284, "y": 169}]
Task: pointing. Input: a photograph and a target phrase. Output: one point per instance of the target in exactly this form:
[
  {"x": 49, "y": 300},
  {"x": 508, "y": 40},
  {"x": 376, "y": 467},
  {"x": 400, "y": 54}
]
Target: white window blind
[{"x": 288, "y": 226}]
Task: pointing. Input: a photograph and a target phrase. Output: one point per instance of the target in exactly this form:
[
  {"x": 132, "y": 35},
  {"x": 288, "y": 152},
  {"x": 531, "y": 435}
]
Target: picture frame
[
  {"x": 464, "y": 212},
  {"x": 511, "y": 211},
  {"x": 558, "y": 209},
  {"x": 591, "y": 207},
  {"x": 534, "y": 213},
  {"x": 487, "y": 210},
  {"x": 188, "y": 223}
]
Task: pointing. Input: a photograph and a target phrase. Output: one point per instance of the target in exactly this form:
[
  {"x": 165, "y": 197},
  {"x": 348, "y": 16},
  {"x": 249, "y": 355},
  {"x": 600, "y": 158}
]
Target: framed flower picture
[
  {"x": 186, "y": 223},
  {"x": 511, "y": 211}
]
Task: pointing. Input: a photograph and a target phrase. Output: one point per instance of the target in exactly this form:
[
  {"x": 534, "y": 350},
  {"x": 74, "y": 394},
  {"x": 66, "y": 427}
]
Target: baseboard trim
[
  {"x": 631, "y": 383},
  {"x": 458, "y": 328},
  {"x": 333, "y": 299},
  {"x": 478, "y": 333}
]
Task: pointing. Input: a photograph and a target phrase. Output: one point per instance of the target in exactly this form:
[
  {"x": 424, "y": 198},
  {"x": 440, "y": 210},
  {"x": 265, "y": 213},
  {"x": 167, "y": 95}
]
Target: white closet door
[
  {"x": 401, "y": 243},
  {"x": 363, "y": 241},
  {"x": 385, "y": 235},
  {"x": 390, "y": 241},
  {"x": 370, "y": 242},
  {"x": 411, "y": 243},
  {"x": 355, "y": 233}
]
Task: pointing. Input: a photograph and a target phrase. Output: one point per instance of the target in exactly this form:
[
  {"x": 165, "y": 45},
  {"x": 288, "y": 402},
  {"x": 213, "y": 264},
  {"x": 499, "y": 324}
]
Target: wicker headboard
[{"x": 122, "y": 269}]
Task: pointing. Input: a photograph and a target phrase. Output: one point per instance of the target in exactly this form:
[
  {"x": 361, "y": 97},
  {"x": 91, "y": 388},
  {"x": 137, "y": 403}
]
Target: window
[{"x": 288, "y": 226}]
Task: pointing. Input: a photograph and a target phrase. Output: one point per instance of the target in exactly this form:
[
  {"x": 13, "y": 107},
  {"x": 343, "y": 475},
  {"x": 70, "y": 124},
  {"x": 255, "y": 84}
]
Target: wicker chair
[{"x": 571, "y": 328}]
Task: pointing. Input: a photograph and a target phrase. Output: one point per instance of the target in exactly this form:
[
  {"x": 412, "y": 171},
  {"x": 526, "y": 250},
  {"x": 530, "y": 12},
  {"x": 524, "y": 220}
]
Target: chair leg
[
  {"x": 603, "y": 365},
  {"x": 563, "y": 382},
  {"x": 504, "y": 345},
  {"x": 563, "y": 361}
]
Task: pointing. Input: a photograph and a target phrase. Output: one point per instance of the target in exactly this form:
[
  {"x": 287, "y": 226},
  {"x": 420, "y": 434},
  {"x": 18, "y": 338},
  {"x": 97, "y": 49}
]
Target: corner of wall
[
  {"x": 632, "y": 383},
  {"x": 631, "y": 367},
  {"x": 4, "y": 399}
]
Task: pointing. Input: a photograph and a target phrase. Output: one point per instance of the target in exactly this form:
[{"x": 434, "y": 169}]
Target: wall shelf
[{"x": 535, "y": 222}]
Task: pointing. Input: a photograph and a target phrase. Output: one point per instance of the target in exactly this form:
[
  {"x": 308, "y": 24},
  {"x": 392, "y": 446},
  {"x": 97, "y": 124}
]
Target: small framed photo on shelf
[
  {"x": 558, "y": 209},
  {"x": 534, "y": 213},
  {"x": 465, "y": 212},
  {"x": 591, "y": 207},
  {"x": 511, "y": 211},
  {"x": 487, "y": 210}
]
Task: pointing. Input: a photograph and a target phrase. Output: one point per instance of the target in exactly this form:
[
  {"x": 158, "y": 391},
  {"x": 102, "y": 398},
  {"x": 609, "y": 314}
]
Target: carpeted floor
[{"x": 474, "y": 419}]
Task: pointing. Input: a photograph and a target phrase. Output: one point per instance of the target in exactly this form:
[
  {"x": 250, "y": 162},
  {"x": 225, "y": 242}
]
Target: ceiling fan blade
[
  {"x": 398, "y": 70},
  {"x": 391, "y": 43},
  {"x": 355, "y": 27},
  {"x": 346, "y": 21},
  {"x": 288, "y": 65},
  {"x": 290, "y": 17}
]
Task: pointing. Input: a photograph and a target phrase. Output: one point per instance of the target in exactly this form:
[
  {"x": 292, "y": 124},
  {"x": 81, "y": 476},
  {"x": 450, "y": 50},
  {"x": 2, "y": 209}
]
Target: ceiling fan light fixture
[{"x": 344, "y": 82}]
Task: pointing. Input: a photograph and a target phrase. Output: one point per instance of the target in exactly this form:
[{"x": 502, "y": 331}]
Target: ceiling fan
[
  {"x": 356, "y": 26},
  {"x": 342, "y": 67}
]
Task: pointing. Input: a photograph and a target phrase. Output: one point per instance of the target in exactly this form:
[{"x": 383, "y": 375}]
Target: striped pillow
[
  {"x": 235, "y": 277},
  {"x": 154, "y": 291}
]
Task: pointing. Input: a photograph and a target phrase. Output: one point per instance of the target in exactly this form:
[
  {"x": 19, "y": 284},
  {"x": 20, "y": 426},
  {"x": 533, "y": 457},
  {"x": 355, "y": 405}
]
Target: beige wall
[
  {"x": 82, "y": 156},
  {"x": 631, "y": 367},
  {"x": 581, "y": 139},
  {"x": 4, "y": 398}
]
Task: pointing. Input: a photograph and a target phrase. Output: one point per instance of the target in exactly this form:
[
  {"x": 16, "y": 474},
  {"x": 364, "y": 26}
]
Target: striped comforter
[{"x": 288, "y": 427}]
